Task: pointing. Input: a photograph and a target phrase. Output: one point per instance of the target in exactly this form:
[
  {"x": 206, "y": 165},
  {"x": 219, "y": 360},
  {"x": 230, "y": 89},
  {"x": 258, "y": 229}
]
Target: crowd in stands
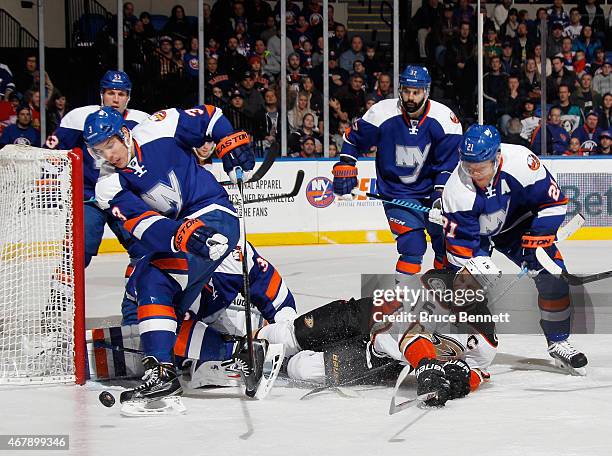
[{"x": 242, "y": 51}]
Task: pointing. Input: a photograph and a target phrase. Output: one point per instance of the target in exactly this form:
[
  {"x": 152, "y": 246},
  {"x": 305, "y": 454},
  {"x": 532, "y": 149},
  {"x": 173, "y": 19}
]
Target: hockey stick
[
  {"x": 553, "y": 268},
  {"x": 338, "y": 387},
  {"x": 263, "y": 169},
  {"x": 245, "y": 282},
  {"x": 394, "y": 201},
  {"x": 299, "y": 179}
]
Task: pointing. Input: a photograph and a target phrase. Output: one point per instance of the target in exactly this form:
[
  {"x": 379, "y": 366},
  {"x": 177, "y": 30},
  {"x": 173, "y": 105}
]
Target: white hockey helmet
[{"x": 484, "y": 271}]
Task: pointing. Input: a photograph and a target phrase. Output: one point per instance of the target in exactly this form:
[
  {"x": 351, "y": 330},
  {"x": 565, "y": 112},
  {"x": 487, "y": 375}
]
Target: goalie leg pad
[{"x": 334, "y": 322}]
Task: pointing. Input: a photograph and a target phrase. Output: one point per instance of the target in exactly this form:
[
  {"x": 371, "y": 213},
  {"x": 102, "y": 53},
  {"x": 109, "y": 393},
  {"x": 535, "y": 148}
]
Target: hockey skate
[
  {"x": 198, "y": 374},
  {"x": 567, "y": 357},
  {"x": 268, "y": 359},
  {"x": 158, "y": 394}
]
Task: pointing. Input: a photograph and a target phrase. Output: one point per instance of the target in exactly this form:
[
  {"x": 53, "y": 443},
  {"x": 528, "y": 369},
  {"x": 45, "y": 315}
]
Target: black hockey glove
[
  {"x": 458, "y": 374},
  {"x": 431, "y": 379}
]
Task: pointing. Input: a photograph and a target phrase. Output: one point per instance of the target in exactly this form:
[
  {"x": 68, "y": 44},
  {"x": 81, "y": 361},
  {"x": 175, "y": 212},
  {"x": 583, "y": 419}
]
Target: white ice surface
[{"x": 519, "y": 413}]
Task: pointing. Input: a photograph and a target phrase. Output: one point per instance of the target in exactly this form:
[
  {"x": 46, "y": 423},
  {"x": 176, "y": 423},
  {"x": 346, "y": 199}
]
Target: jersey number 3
[{"x": 411, "y": 157}]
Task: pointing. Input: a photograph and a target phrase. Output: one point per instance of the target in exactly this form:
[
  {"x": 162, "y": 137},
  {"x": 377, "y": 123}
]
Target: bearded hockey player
[
  {"x": 151, "y": 181},
  {"x": 417, "y": 140},
  {"x": 343, "y": 340},
  {"x": 501, "y": 196}
]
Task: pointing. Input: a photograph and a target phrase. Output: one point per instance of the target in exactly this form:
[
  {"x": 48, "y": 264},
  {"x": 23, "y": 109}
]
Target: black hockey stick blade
[
  {"x": 299, "y": 179},
  {"x": 263, "y": 169},
  {"x": 553, "y": 268}
]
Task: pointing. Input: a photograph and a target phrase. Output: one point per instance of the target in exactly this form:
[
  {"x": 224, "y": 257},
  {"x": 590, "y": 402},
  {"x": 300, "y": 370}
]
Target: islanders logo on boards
[{"x": 319, "y": 192}]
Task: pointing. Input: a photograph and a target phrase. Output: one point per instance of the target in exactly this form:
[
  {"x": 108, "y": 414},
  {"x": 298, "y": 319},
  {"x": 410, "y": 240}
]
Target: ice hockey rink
[{"x": 527, "y": 412}]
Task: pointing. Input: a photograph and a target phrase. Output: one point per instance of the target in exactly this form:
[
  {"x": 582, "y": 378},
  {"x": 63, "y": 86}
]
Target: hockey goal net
[{"x": 41, "y": 266}]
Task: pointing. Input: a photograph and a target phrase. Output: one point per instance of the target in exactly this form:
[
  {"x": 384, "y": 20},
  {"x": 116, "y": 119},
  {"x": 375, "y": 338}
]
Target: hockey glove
[
  {"x": 431, "y": 379},
  {"x": 458, "y": 374},
  {"x": 529, "y": 243},
  {"x": 435, "y": 213},
  {"x": 345, "y": 177},
  {"x": 235, "y": 152},
  {"x": 193, "y": 237}
]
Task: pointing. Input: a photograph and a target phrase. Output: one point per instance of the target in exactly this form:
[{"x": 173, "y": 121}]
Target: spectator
[
  {"x": 138, "y": 48},
  {"x": 370, "y": 101},
  {"x": 190, "y": 60},
  {"x": 605, "y": 117},
  {"x": 315, "y": 98},
  {"x": 215, "y": 78},
  {"x": 236, "y": 111},
  {"x": 605, "y": 143},
  {"x": 359, "y": 68},
  {"x": 338, "y": 76},
  {"x": 213, "y": 49},
  {"x": 147, "y": 28},
  {"x": 464, "y": 12},
  {"x": 308, "y": 149},
  {"x": 374, "y": 65},
  {"x": 509, "y": 28},
  {"x": 557, "y": 139},
  {"x": 426, "y": 19},
  {"x": 587, "y": 43},
  {"x": 352, "y": 97},
  {"x": 234, "y": 63},
  {"x": 592, "y": 14},
  {"x": 308, "y": 130},
  {"x": 494, "y": 85},
  {"x": 444, "y": 31},
  {"x": 338, "y": 120},
  {"x": 560, "y": 75},
  {"x": 558, "y": 15},
  {"x": 270, "y": 29},
  {"x": 598, "y": 61},
  {"x": 32, "y": 99},
  {"x": 509, "y": 64},
  {"x": 177, "y": 26},
  {"x": 584, "y": 96},
  {"x": 354, "y": 53},
  {"x": 567, "y": 53},
  {"x": 555, "y": 40},
  {"x": 300, "y": 31},
  {"x": 297, "y": 113},
  {"x": 570, "y": 114},
  {"x": 602, "y": 82},
  {"x": 339, "y": 42},
  {"x": 588, "y": 134},
  {"x": 253, "y": 101},
  {"x": 24, "y": 79},
  {"x": 460, "y": 65},
  {"x": 580, "y": 65},
  {"x": 238, "y": 17},
  {"x": 295, "y": 73},
  {"x": 8, "y": 111},
  {"x": 273, "y": 65},
  {"x": 244, "y": 41},
  {"x": 22, "y": 132},
  {"x": 574, "y": 147},
  {"x": 56, "y": 110},
  {"x": 306, "y": 54},
  {"x": 129, "y": 19},
  {"x": 333, "y": 150},
  {"x": 7, "y": 86},
  {"x": 514, "y": 134},
  {"x": 530, "y": 80},
  {"x": 521, "y": 43},
  {"x": 529, "y": 120},
  {"x": 500, "y": 13},
  {"x": 537, "y": 56},
  {"x": 491, "y": 45},
  {"x": 573, "y": 30},
  {"x": 511, "y": 103},
  {"x": 258, "y": 12},
  {"x": 270, "y": 117},
  {"x": 262, "y": 80},
  {"x": 382, "y": 89}
]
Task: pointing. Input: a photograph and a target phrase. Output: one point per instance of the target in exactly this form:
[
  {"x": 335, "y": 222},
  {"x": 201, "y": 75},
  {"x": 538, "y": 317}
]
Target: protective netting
[{"x": 36, "y": 266}]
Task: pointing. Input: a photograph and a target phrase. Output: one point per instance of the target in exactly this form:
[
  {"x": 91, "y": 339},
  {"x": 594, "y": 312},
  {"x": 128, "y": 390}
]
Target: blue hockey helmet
[
  {"x": 418, "y": 77},
  {"x": 480, "y": 143},
  {"x": 102, "y": 125},
  {"x": 117, "y": 80}
]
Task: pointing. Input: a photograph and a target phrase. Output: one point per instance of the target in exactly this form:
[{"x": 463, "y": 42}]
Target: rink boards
[{"x": 317, "y": 216}]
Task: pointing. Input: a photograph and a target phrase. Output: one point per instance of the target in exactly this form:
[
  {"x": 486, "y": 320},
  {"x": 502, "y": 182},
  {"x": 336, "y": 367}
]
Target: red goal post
[{"x": 42, "y": 289}]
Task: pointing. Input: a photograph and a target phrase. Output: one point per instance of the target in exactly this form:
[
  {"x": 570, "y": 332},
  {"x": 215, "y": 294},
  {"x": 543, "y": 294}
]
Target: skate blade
[
  {"x": 167, "y": 406},
  {"x": 575, "y": 371},
  {"x": 272, "y": 365}
]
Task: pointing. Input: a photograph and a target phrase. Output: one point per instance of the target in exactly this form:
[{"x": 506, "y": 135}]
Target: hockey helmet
[
  {"x": 480, "y": 143},
  {"x": 418, "y": 77},
  {"x": 102, "y": 125},
  {"x": 117, "y": 80}
]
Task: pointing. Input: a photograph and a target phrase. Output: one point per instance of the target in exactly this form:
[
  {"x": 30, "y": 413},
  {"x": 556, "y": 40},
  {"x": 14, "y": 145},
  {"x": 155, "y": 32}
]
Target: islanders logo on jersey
[
  {"x": 158, "y": 116},
  {"x": 319, "y": 192},
  {"x": 533, "y": 162}
]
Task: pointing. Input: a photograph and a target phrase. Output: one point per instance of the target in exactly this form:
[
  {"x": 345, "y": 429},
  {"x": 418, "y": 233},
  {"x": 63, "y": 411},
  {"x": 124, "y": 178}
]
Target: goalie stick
[
  {"x": 548, "y": 263},
  {"x": 263, "y": 169},
  {"x": 299, "y": 179}
]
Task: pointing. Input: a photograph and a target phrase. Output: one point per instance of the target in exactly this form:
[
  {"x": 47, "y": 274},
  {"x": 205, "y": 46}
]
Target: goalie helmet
[
  {"x": 102, "y": 125},
  {"x": 480, "y": 143}
]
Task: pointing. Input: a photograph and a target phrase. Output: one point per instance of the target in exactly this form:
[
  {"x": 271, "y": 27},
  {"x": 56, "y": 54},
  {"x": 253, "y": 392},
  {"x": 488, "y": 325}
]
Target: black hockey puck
[{"x": 107, "y": 399}]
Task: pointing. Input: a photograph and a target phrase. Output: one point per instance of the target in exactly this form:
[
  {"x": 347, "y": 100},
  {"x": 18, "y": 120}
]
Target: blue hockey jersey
[
  {"x": 413, "y": 155},
  {"x": 522, "y": 189},
  {"x": 69, "y": 135},
  {"x": 163, "y": 182}
]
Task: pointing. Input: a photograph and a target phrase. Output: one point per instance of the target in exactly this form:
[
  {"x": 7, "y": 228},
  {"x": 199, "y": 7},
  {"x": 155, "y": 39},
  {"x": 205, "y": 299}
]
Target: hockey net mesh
[{"x": 37, "y": 299}]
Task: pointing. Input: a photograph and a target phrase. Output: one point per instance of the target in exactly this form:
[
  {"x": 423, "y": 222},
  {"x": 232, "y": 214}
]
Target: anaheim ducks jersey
[
  {"x": 523, "y": 192},
  {"x": 163, "y": 182},
  {"x": 69, "y": 135},
  {"x": 428, "y": 314},
  {"x": 413, "y": 155}
]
